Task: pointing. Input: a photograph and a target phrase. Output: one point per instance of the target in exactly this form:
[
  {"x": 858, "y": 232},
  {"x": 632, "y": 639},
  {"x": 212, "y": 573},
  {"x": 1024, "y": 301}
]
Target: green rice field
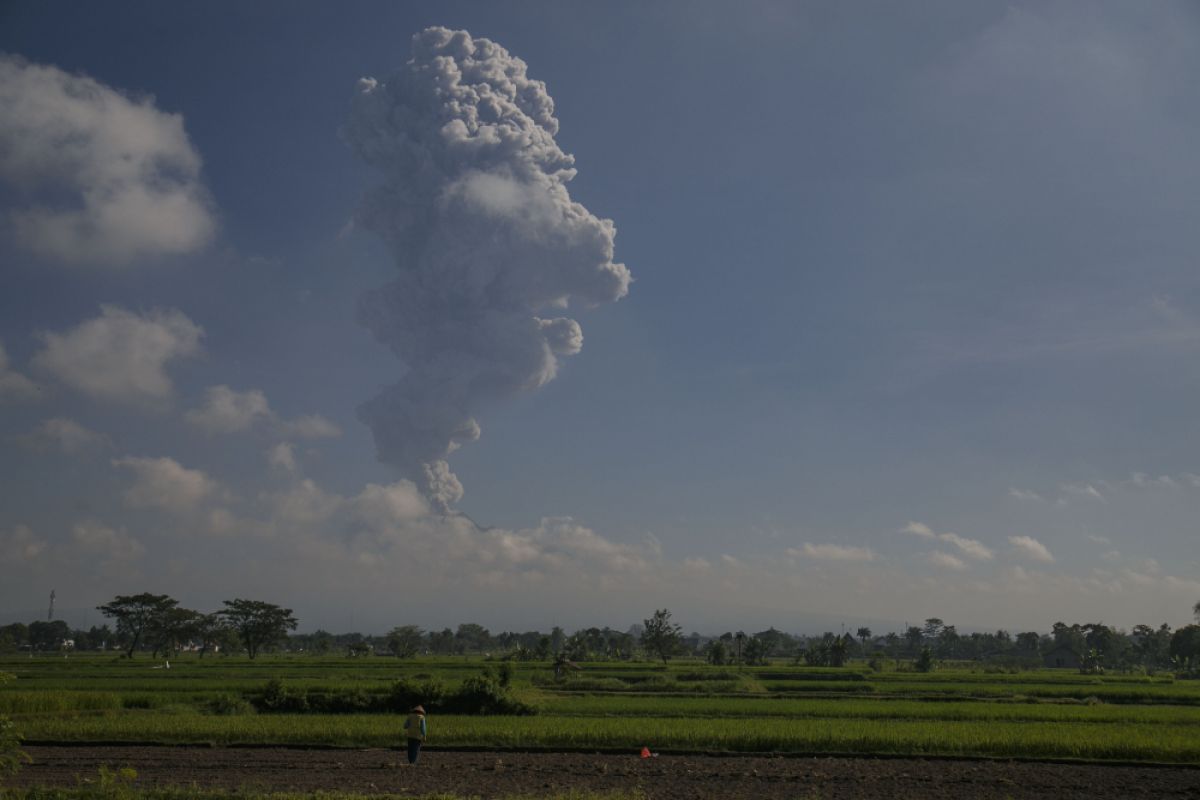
[{"x": 685, "y": 706}]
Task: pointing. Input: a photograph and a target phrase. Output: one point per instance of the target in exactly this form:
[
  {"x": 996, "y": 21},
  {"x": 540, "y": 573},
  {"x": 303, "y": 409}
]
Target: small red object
[{"x": 645, "y": 752}]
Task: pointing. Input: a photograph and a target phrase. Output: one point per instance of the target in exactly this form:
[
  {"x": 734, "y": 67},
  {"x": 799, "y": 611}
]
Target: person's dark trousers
[{"x": 414, "y": 750}]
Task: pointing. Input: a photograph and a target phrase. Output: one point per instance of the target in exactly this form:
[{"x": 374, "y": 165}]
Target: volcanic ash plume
[{"x": 475, "y": 209}]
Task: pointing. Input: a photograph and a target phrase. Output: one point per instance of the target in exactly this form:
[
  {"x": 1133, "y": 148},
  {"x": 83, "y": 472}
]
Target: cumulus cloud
[
  {"x": 120, "y": 356},
  {"x": 475, "y": 208},
  {"x": 282, "y": 456},
  {"x": 20, "y": 545},
  {"x": 227, "y": 410},
  {"x": 109, "y": 544},
  {"x": 969, "y": 547},
  {"x": 97, "y": 177},
  {"x": 65, "y": 435},
  {"x": 1031, "y": 548},
  {"x": 164, "y": 483},
  {"x": 832, "y": 552},
  {"x": 14, "y": 385},
  {"x": 942, "y": 559},
  {"x": 1024, "y": 494},
  {"x": 919, "y": 529}
]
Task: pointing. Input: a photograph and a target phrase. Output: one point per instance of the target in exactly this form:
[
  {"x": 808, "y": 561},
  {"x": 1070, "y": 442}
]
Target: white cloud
[
  {"x": 282, "y": 456},
  {"x": 20, "y": 545},
  {"x": 1024, "y": 494},
  {"x": 832, "y": 552},
  {"x": 101, "y": 178},
  {"x": 228, "y": 411},
  {"x": 1143, "y": 481},
  {"x": 109, "y": 544},
  {"x": 918, "y": 529},
  {"x": 971, "y": 547},
  {"x": 165, "y": 483},
  {"x": 1031, "y": 548},
  {"x": 1085, "y": 490},
  {"x": 120, "y": 356},
  {"x": 14, "y": 385},
  {"x": 65, "y": 435},
  {"x": 941, "y": 559}
]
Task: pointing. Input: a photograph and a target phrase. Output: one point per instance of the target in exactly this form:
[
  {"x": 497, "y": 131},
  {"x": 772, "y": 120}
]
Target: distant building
[{"x": 1062, "y": 657}]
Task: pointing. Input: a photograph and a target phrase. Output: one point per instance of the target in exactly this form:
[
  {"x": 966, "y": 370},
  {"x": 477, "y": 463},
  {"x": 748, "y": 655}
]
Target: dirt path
[{"x": 496, "y": 775}]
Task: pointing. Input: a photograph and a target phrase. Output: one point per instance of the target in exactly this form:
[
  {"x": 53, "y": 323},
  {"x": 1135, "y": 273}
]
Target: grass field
[{"x": 685, "y": 706}]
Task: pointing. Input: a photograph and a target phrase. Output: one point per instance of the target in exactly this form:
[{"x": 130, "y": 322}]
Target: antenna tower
[{"x": 50, "y": 613}]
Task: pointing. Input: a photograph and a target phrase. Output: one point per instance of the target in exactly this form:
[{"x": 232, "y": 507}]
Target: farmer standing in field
[{"x": 414, "y": 726}]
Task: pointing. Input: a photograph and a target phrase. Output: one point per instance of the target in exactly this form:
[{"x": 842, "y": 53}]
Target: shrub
[
  {"x": 277, "y": 697},
  {"x": 483, "y": 694},
  {"x": 408, "y": 692},
  {"x": 228, "y": 705}
]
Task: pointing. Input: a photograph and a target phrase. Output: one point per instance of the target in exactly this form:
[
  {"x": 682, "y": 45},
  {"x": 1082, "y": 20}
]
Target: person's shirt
[{"x": 415, "y": 725}]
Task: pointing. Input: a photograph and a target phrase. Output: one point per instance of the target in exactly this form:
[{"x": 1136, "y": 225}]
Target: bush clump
[
  {"x": 487, "y": 693},
  {"x": 229, "y": 705}
]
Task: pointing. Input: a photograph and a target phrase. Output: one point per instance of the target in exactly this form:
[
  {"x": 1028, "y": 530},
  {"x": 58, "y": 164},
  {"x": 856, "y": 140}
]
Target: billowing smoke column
[{"x": 475, "y": 209}]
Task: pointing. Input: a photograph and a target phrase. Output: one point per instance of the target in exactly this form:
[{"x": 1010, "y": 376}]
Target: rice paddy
[{"x": 685, "y": 706}]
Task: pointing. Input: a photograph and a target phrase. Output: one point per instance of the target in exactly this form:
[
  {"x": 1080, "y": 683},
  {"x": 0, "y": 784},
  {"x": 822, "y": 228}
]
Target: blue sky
[{"x": 912, "y": 329}]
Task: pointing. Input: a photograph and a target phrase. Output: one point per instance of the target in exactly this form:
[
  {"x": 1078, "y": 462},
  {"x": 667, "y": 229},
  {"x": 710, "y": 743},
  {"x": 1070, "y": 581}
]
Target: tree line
[{"x": 158, "y": 624}]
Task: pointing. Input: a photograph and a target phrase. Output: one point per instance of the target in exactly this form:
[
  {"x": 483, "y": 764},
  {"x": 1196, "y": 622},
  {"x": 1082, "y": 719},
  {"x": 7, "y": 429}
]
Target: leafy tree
[
  {"x": 1070, "y": 637},
  {"x": 168, "y": 630},
  {"x": 1185, "y": 647},
  {"x": 13, "y": 637},
  {"x": 772, "y": 641},
  {"x": 1028, "y": 642},
  {"x": 925, "y": 662},
  {"x": 442, "y": 642},
  {"x": 839, "y": 648},
  {"x": 557, "y": 637},
  {"x": 1196, "y": 611},
  {"x": 258, "y": 624},
  {"x": 472, "y": 637},
  {"x": 214, "y": 633},
  {"x": 947, "y": 641},
  {"x": 135, "y": 614},
  {"x": 755, "y": 651},
  {"x": 661, "y": 636},
  {"x": 405, "y": 641},
  {"x": 914, "y": 636},
  {"x": 46, "y": 636},
  {"x": 716, "y": 653}
]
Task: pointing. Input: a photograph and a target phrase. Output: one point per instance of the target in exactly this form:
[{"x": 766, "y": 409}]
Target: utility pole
[{"x": 50, "y": 613}]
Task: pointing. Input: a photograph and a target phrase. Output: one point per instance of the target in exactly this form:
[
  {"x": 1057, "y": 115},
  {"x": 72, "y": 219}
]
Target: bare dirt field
[{"x": 668, "y": 777}]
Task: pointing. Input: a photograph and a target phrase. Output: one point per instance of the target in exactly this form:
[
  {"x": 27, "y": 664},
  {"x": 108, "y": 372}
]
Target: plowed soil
[{"x": 667, "y": 777}]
